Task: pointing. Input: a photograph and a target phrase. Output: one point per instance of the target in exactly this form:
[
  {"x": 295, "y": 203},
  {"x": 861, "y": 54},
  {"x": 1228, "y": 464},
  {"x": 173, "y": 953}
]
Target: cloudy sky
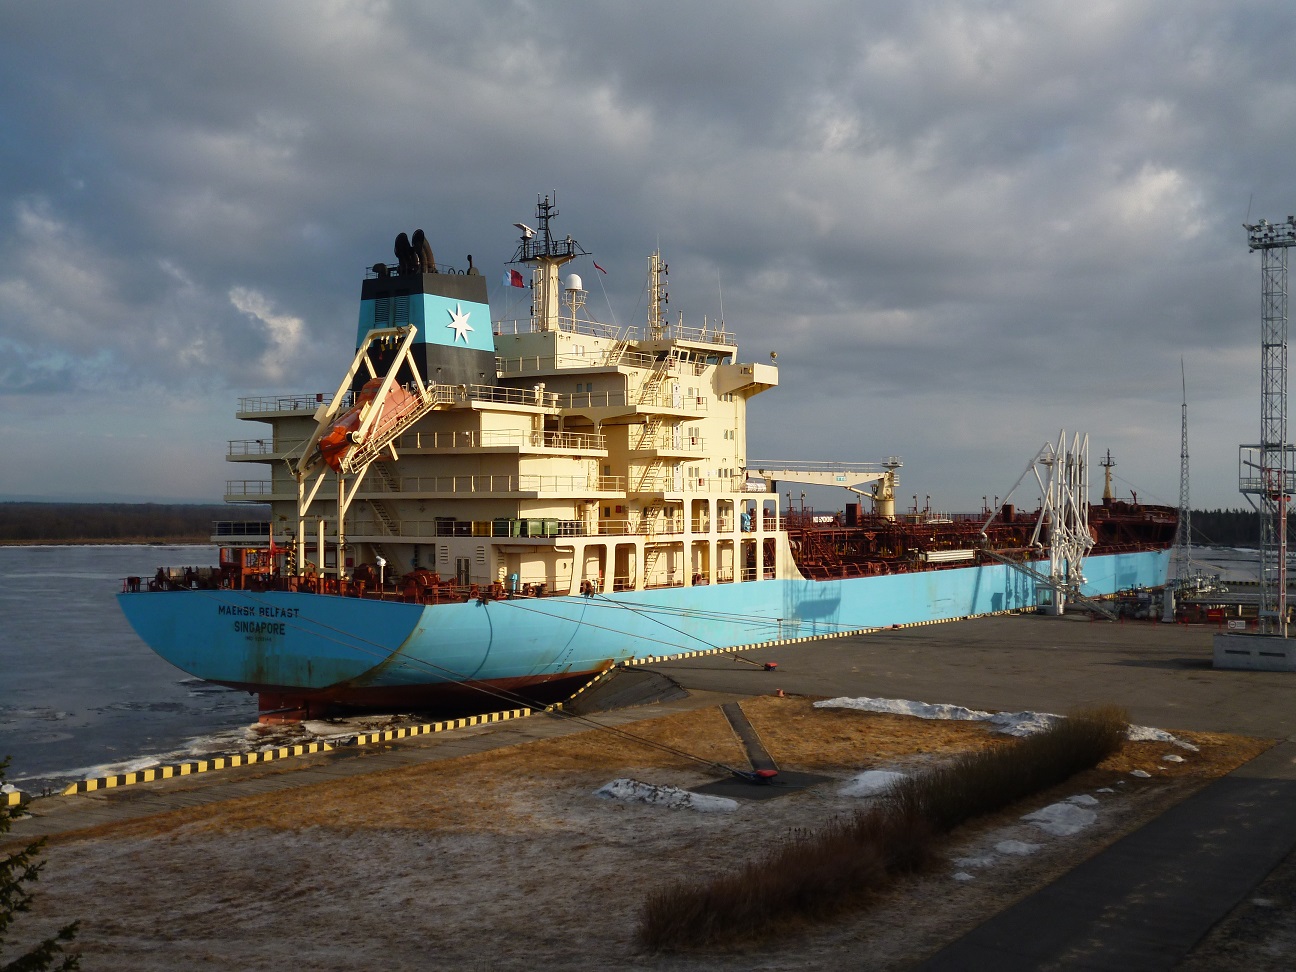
[{"x": 961, "y": 225}]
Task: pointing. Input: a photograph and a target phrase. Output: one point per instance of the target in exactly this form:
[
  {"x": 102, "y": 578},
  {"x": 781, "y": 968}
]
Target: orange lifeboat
[{"x": 344, "y": 434}]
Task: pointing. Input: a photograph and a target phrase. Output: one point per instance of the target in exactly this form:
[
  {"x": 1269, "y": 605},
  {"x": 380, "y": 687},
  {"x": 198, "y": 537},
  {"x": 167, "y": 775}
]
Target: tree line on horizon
[{"x": 29, "y": 522}]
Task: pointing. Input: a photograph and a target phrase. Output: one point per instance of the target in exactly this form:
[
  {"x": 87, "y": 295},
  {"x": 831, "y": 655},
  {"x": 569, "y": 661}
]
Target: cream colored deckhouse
[{"x": 584, "y": 458}]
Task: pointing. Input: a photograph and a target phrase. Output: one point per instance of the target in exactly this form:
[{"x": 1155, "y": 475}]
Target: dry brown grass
[{"x": 797, "y": 734}]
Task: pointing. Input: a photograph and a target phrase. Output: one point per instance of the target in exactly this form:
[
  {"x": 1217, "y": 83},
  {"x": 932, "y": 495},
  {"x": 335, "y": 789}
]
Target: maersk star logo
[{"x": 459, "y": 322}]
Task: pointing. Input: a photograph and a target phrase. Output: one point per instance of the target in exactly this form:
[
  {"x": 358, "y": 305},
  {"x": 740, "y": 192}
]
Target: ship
[{"x": 505, "y": 508}]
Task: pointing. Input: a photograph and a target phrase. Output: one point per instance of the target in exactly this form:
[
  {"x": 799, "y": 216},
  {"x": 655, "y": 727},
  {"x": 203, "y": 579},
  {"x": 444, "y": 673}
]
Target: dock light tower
[
  {"x": 1265, "y": 470},
  {"x": 1183, "y": 535}
]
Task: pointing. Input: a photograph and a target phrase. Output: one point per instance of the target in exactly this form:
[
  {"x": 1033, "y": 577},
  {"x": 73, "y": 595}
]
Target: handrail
[
  {"x": 249, "y": 487},
  {"x": 604, "y": 399},
  {"x": 292, "y": 402},
  {"x": 576, "y": 441},
  {"x": 261, "y": 447},
  {"x": 521, "y": 364},
  {"x": 524, "y": 483},
  {"x": 567, "y": 325}
]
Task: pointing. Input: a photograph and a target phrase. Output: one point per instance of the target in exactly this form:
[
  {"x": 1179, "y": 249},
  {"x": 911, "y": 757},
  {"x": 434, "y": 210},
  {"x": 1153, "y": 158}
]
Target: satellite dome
[{"x": 573, "y": 282}]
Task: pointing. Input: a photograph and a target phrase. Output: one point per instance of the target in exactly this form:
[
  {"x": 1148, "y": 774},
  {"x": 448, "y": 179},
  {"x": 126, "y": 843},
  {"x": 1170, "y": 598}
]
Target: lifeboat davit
[{"x": 344, "y": 435}]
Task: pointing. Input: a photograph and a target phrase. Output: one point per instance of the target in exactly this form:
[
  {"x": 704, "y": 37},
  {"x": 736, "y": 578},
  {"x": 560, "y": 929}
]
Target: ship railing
[
  {"x": 544, "y": 363},
  {"x": 524, "y": 483},
  {"x": 509, "y": 396},
  {"x": 667, "y": 442},
  {"x": 664, "y": 399},
  {"x": 500, "y": 527},
  {"x": 701, "y": 335},
  {"x": 261, "y": 447},
  {"x": 801, "y": 465},
  {"x": 291, "y": 402},
  {"x": 576, "y": 441},
  {"x": 569, "y": 440},
  {"x": 605, "y": 399},
  {"x": 669, "y": 580},
  {"x": 667, "y": 527},
  {"x": 567, "y": 325},
  {"x": 614, "y": 528},
  {"x": 240, "y": 528},
  {"x": 393, "y": 270},
  {"x": 631, "y": 359},
  {"x": 691, "y": 484},
  {"x": 637, "y": 528},
  {"x": 249, "y": 487},
  {"x": 937, "y": 516}
]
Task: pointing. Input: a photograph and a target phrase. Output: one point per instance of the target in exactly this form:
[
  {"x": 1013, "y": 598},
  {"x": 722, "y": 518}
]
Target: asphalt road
[{"x": 1160, "y": 673}]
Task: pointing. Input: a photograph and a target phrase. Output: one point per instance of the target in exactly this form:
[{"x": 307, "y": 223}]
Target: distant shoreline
[{"x": 112, "y": 542}]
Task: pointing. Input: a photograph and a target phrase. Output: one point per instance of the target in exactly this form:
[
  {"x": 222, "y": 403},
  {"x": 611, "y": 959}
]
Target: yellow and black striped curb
[
  {"x": 14, "y": 798},
  {"x": 558, "y": 706},
  {"x": 404, "y": 732},
  {"x": 301, "y": 749},
  {"x": 194, "y": 766}
]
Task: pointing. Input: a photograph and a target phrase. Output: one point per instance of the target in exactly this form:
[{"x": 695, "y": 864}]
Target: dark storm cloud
[{"x": 960, "y": 224}]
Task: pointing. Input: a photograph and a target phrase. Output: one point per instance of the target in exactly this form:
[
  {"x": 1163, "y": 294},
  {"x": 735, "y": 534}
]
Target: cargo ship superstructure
[{"x": 513, "y": 506}]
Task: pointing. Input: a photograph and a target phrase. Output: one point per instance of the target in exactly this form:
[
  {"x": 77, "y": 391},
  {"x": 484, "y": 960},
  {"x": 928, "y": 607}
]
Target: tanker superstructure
[{"x": 514, "y": 507}]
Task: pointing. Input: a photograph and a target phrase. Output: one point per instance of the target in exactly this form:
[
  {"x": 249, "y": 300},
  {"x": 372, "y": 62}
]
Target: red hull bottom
[{"x": 447, "y": 699}]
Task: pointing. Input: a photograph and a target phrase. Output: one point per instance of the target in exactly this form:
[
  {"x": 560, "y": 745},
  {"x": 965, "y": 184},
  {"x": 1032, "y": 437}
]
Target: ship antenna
[{"x": 720, "y": 290}]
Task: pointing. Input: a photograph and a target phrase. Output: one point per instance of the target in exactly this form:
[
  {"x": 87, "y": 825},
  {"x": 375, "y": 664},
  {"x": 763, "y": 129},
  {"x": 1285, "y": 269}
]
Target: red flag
[
  {"x": 597, "y": 267},
  {"x": 513, "y": 279}
]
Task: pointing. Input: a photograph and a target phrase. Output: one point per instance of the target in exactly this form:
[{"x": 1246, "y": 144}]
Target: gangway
[{"x": 1065, "y": 511}]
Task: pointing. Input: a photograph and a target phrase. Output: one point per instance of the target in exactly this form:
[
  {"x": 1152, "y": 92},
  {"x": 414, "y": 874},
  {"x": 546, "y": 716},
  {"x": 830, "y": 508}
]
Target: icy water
[
  {"x": 79, "y": 691},
  {"x": 1230, "y": 563}
]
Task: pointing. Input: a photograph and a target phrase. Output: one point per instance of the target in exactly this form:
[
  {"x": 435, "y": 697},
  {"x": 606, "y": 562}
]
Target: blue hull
[{"x": 346, "y": 649}]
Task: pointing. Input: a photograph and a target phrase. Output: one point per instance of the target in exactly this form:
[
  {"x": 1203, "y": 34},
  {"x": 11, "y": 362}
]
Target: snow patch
[
  {"x": 1141, "y": 774},
  {"x": 1007, "y": 723},
  {"x": 1083, "y": 800},
  {"x": 1148, "y": 734},
  {"x": 1018, "y": 848},
  {"x": 633, "y": 791},
  {"x": 1061, "y": 819},
  {"x": 963, "y": 876},
  {"x": 1172, "y": 758},
  {"x": 870, "y": 783}
]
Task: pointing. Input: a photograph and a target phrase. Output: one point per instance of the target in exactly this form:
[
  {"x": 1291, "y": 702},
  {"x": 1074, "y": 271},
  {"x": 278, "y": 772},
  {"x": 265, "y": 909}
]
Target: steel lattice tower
[
  {"x": 1265, "y": 469},
  {"x": 1183, "y": 537}
]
